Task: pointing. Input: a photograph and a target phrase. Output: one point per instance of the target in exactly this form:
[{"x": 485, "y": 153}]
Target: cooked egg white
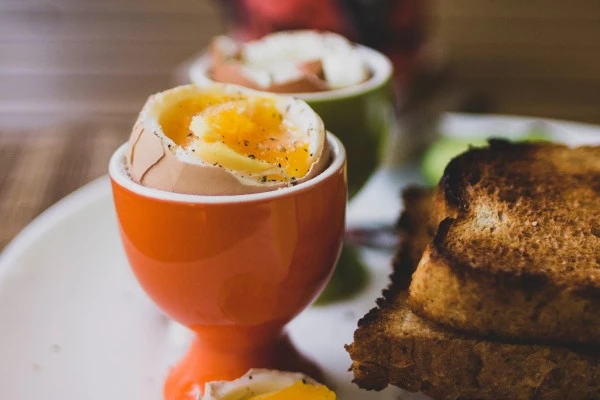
[
  {"x": 277, "y": 59},
  {"x": 265, "y": 384}
]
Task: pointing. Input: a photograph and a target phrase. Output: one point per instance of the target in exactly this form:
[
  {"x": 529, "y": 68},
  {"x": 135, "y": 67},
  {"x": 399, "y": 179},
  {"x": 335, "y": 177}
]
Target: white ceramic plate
[{"x": 75, "y": 325}]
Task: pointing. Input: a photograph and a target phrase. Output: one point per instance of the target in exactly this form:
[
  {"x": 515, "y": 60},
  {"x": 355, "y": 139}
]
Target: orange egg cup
[{"x": 234, "y": 269}]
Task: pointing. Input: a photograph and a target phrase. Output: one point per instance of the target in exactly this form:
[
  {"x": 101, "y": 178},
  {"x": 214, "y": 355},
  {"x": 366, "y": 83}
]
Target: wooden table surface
[
  {"x": 40, "y": 167},
  {"x": 74, "y": 73}
]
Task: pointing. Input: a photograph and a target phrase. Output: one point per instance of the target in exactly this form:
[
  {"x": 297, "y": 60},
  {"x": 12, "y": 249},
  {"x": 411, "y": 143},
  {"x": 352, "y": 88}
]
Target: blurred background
[{"x": 74, "y": 73}]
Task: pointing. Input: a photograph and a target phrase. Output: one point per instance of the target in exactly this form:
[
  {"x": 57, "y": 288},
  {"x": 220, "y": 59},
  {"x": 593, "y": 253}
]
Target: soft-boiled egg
[
  {"x": 219, "y": 139},
  {"x": 289, "y": 62},
  {"x": 265, "y": 384}
]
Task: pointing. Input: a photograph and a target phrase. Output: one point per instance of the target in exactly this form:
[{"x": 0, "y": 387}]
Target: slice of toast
[
  {"x": 517, "y": 251},
  {"x": 392, "y": 345}
]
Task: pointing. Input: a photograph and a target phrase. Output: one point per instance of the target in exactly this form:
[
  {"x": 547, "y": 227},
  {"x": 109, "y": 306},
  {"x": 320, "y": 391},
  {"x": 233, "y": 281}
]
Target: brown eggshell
[
  {"x": 174, "y": 175},
  {"x": 152, "y": 161},
  {"x": 231, "y": 70}
]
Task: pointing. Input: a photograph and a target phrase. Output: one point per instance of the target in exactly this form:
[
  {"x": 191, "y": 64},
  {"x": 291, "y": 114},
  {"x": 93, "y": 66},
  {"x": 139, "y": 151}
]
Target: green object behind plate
[
  {"x": 440, "y": 152},
  {"x": 349, "y": 278}
]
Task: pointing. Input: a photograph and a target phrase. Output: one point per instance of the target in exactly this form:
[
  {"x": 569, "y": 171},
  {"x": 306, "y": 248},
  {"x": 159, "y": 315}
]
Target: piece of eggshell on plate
[
  {"x": 227, "y": 67},
  {"x": 255, "y": 382},
  {"x": 155, "y": 161}
]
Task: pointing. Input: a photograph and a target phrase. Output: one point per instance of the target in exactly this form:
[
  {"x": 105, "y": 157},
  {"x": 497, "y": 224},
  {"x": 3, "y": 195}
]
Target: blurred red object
[
  {"x": 265, "y": 16},
  {"x": 395, "y": 27}
]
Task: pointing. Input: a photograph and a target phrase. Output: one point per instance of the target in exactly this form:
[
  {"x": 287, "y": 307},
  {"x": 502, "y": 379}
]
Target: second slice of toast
[{"x": 394, "y": 346}]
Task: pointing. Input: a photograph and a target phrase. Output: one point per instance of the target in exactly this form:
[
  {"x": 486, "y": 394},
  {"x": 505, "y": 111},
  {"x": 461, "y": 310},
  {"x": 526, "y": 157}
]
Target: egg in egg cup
[{"x": 234, "y": 268}]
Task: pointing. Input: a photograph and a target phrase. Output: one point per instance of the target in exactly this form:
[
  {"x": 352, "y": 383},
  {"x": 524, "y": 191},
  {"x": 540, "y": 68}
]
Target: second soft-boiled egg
[
  {"x": 218, "y": 139},
  {"x": 265, "y": 384},
  {"x": 299, "y": 61}
]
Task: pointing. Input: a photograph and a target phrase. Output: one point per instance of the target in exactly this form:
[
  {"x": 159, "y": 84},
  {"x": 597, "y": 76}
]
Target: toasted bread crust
[
  {"x": 414, "y": 233},
  {"x": 516, "y": 254},
  {"x": 496, "y": 306},
  {"x": 394, "y": 346}
]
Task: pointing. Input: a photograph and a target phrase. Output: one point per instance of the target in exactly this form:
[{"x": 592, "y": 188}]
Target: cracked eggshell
[
  {"x": 227, "y": 67},
  {"x": 155, "y": 161},
  {"x": 255, "y": 382}
]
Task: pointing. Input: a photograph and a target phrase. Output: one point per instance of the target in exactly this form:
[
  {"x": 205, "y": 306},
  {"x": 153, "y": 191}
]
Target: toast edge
[
  {"x": 394, "y": 346},
  {"x": 523, "y": 308}
]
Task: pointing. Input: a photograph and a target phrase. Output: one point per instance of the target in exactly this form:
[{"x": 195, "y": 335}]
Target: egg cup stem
[{"x": 204, "y": 363}]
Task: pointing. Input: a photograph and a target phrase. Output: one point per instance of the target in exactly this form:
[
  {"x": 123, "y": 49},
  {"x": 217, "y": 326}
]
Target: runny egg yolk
[
  {"x": 242, "y": 133},
  {"x": 298, "y": 391}
]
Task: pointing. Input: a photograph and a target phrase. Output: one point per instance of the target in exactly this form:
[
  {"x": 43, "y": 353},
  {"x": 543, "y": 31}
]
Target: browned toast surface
[
  {"x": 394, "y": 346},
  {"x": 517, "y": 251}
]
